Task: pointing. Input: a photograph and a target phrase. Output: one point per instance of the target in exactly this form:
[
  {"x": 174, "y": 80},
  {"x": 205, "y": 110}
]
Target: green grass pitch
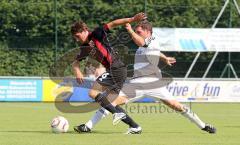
[{"x": 28, "y": 124}]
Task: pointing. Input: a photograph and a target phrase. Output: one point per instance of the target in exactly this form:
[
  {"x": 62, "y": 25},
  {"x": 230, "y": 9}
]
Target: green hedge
[{"x": 27, "y": 27}]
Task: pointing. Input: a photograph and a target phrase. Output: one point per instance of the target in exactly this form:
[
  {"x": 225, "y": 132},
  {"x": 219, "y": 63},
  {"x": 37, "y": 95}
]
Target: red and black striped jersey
[{"x": 98, "y": 47}]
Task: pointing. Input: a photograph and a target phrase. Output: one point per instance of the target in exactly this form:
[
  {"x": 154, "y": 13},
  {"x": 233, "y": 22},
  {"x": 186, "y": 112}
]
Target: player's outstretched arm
[
  {"x": 138, "y": 40},
  {"x": 77, "y": 72},
  {"x": 138, "y": 17},
  {"x": 168, "y": 60}
]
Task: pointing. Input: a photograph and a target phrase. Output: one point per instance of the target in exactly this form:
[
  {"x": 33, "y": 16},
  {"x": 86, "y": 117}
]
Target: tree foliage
[{"x": 27, "y": 27}]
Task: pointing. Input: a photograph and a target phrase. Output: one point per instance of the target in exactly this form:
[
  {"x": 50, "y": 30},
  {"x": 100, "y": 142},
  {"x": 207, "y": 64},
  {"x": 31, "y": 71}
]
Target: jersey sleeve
[{"x": 101, "y": 32}]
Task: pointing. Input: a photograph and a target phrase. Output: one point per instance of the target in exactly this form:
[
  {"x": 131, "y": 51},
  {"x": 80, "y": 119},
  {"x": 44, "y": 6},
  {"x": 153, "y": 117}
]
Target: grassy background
[{"x": 28, "y": 124}]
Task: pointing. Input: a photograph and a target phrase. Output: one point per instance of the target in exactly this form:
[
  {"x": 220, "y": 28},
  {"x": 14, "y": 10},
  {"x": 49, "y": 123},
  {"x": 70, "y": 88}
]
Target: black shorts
[{"x": 114, "y": 77}]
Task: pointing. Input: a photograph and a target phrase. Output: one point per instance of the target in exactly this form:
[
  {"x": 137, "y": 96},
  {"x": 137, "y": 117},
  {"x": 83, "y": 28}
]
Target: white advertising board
[{"x": 198, "y": 40}]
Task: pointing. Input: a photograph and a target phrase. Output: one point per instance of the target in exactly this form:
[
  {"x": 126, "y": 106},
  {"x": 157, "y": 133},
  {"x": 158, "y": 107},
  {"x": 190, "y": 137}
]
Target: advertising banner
[
  {"x": 198, "y": 40},
  {"x": 69, "y": 90},
  {"x": 21, "y": 90},
  {"x": 205, "y": 91},
  {"x": 47, "y": 90},
  {"x": 66, "y": 90}
]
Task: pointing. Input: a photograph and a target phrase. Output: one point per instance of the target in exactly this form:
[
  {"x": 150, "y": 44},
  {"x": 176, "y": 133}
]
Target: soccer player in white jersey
[{"x": 146, "y": 71}]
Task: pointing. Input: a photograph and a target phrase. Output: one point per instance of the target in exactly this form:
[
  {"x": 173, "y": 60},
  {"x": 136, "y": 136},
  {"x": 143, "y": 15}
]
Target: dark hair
[
  {"x": 78, "y": 27},
  {"x": 145, "y": 25}
]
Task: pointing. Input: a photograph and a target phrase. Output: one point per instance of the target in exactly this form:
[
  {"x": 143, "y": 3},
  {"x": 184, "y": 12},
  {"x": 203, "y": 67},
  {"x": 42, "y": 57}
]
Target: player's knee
[{"x": 119, "y": 100}]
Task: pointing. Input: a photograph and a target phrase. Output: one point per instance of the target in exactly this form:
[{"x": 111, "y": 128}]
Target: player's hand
[
  {"x": 138, "y": 17},
  {"x": 80, "y": 79},
  {"x": 170, "y": 61}
]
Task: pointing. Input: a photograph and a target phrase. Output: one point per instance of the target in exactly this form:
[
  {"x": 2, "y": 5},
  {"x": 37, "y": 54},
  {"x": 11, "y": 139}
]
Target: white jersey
[
  {"x": 147, "y": 80},
  {"x": 147, "y": 58}
]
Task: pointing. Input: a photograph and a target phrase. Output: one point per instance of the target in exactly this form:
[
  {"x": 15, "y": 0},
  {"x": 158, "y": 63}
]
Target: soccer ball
[{"x": 59, "y": 124}]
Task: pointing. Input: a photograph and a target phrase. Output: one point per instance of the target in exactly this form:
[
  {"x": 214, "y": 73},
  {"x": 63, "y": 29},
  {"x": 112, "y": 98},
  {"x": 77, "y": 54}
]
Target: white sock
[
  {"x": 193, "y": 117},
  {"x": 100, "y": 114}
]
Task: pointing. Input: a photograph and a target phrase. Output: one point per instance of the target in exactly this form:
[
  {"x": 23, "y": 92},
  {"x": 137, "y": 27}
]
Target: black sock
[
  {"x": 103, "y": 101},
  {"x": 128, "y": 120}
]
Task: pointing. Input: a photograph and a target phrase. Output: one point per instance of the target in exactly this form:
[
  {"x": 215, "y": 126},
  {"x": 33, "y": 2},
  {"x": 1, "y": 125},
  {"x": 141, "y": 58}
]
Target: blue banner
[
  {"x": 20, "y": 90},
  {"x": 80, "y": 93}
]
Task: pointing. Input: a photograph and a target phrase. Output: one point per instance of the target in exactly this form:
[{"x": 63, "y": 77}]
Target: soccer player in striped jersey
[{"x": 95, "y": 44}]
